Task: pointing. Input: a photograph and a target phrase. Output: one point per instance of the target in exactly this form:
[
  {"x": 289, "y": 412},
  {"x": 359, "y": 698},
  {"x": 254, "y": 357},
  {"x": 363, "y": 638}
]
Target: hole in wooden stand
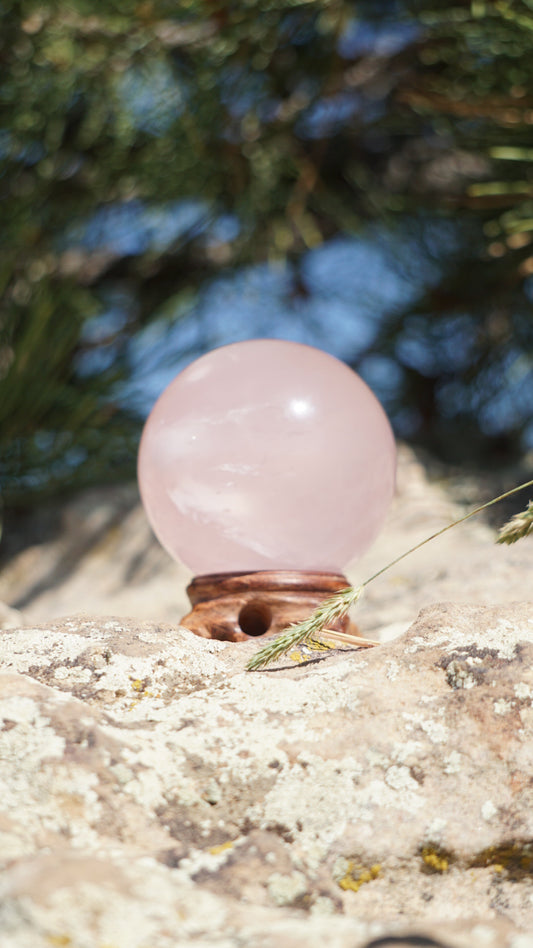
[{"x": 255, "y": 618}]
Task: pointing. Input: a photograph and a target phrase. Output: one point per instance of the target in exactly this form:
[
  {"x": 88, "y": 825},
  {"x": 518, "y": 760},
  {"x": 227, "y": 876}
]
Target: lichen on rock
[{"x": 153, "y": 793}]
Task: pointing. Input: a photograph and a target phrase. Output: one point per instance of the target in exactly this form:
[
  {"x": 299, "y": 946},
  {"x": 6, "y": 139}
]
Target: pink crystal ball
[{"x": 266, "y": 455}]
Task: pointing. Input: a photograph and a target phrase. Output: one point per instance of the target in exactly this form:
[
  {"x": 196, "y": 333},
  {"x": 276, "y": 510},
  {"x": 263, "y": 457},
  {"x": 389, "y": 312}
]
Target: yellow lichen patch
[
  {"x": 139, "y": 687},
  {"x": 313, "y": 645},
  {"x": 356, "y": 876},
  {"x": 296, "y": 656},
  {"x": 435, "y": 861},
  {"x": 221, "y": 848},
  {"x": 320, "y": 645},
  {"x": 59, "y": 941}
]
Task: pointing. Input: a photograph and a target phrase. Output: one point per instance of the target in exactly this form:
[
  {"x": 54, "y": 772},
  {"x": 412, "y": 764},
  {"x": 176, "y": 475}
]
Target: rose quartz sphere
[{"x": 266, "y": 455}]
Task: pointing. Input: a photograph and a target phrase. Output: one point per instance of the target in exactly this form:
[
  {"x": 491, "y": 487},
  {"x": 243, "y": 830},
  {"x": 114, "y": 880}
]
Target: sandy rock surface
[{"x": 154, "y": 794}]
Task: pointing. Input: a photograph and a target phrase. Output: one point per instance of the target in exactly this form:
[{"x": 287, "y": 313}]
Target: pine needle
[
  {"x": 338, "y": 605},
  {"x": 517, "y": 527}
]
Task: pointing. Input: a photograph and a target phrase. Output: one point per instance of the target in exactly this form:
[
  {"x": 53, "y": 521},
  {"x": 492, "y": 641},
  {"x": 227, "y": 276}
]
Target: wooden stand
[{"x": 235, "y": 607}]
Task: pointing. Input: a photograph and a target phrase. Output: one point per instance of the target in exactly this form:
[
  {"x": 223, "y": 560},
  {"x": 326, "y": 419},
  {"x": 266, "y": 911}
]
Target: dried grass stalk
[
  {"x": 338, "y": 605},
  {"x": 517, "y": 527}
]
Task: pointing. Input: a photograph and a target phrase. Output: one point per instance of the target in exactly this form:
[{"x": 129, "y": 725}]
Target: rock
[
  {"x": 154, "y": 794},
  {"x": 10, "y": 618},
  {"x": 92, "y": 553}
]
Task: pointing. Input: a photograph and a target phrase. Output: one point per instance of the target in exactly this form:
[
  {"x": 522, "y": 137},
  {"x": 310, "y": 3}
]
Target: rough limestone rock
[{"x": 154, "y": 794}]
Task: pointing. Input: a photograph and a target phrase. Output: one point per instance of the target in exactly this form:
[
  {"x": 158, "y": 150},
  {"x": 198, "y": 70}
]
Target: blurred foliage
[{"x": 148, "y": 146}]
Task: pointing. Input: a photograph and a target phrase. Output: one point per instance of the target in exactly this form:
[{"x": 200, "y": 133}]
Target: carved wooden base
[{"x": 235, "y": 607}]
